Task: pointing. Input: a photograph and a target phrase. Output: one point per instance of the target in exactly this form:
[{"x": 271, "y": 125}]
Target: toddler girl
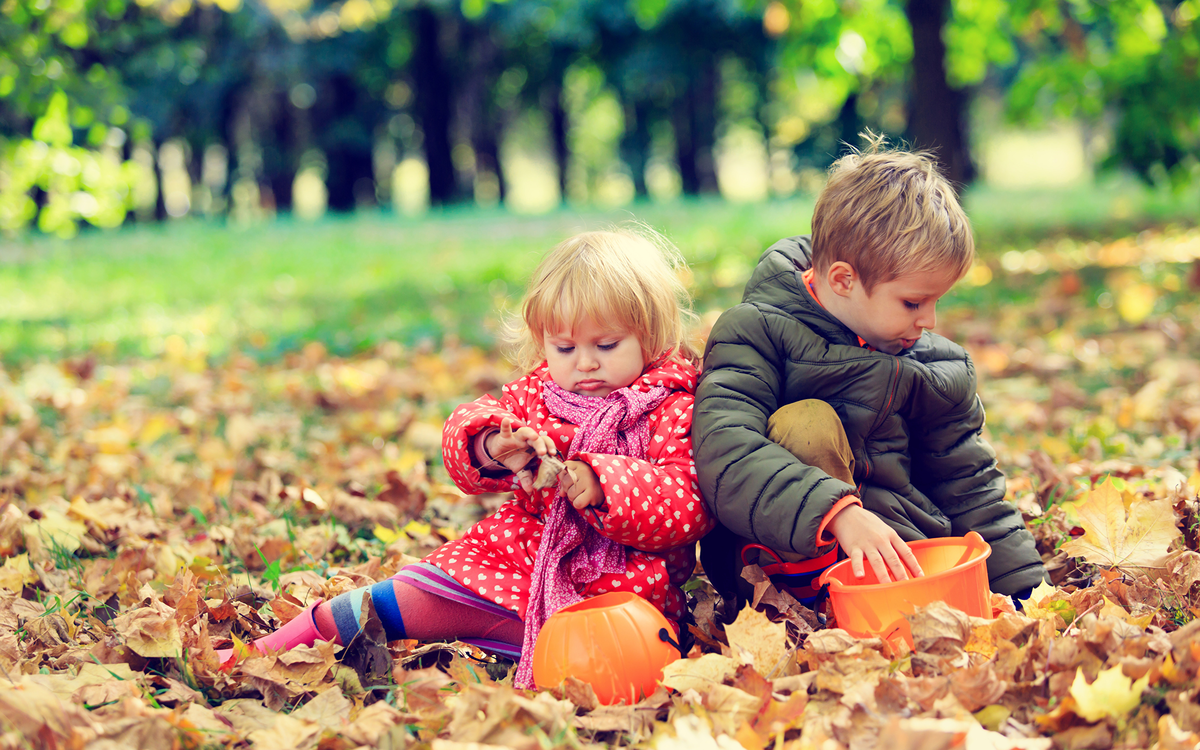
[{"x": 594, "y": 442}]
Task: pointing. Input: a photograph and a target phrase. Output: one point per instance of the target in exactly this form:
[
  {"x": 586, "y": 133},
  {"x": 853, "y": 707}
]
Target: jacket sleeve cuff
[{"x": 822, "y": 538}]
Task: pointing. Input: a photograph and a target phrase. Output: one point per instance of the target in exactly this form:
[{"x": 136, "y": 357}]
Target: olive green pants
[{"x": 812, "y": 432}]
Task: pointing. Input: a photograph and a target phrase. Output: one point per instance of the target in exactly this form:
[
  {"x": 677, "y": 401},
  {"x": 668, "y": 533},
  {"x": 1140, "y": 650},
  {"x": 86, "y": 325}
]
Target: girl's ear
[{"x": 841, "y": 277}]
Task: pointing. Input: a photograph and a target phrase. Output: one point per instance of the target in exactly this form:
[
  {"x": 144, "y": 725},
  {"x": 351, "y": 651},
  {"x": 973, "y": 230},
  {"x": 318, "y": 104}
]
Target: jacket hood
[{"x": 777, "y": 282}]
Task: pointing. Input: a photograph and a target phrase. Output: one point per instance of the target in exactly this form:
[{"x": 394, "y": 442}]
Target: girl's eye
[
  {"x": 608, "y": 347},
  {"x": 565, "y": 349}
]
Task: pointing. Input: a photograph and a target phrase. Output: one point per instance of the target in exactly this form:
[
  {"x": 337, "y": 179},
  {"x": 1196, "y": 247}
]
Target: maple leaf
[
  {"x": 762, "y": 641},
  {"x": 1119, "y": 536},
  {"x": 1111, "y": 694}
]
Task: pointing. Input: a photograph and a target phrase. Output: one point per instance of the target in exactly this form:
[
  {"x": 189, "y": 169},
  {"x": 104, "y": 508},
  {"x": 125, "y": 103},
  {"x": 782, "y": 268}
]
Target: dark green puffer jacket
[{"x": 913, "y": 419}]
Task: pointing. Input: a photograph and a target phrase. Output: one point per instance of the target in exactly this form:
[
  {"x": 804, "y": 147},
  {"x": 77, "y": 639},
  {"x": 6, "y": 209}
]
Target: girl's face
[{"x": 593, "y": 359}]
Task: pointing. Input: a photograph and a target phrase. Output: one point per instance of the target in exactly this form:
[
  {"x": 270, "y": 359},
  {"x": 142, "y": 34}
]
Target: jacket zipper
[{"x": 882, "y": 416}]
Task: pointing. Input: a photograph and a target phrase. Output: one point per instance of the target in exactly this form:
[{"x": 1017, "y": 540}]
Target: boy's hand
[
  {"x": 516, "y": 448},
  {"x": 862, "y": 534},
  {"x": 581, "y": 485}
]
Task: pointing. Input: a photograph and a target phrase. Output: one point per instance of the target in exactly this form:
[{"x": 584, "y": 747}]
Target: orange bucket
[
  {"x": 617, "y": 642},
  {"x": 955, "y": 573}
]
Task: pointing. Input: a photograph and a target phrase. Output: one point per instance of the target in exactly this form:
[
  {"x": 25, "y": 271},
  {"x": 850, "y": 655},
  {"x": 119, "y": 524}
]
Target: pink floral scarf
[{"x": 572, "y": 553}]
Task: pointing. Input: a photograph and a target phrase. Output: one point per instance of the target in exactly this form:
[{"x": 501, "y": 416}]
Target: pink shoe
[{"x": 301, "y": 631}]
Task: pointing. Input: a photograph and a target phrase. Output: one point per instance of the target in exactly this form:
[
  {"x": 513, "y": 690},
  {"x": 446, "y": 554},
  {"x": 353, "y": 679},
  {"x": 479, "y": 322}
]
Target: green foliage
[
  {"x": 78, "y": 183},
  {"x": 1136, "y": 60}
]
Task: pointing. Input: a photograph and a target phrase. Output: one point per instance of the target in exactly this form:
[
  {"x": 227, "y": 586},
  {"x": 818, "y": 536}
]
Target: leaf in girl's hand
[{"x": 547, "y": 473}]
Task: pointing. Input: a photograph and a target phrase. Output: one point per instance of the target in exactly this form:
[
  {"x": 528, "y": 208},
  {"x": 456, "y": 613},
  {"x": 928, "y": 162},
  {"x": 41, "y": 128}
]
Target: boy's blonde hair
[
  {"x": 627, "y": 278},
  {"x": 888, "y": 213}
]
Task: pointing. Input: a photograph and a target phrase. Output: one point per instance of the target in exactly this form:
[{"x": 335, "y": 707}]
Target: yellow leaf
[
  {"x": 1040, "y": 594},
  {"x": 16, "y": 573},
  {"x": 1116, "y": 538},
  {"x": 763, "y": 641},
  {"x": 1112, "y": 609},
  {"x": 1193, "y": 481},
  {"x": 1135, "y": 302},
  {"x": 1112, "y": 694},
  {"x": 1041, "y": 606},
  {"x": 417, "y": 528},
  {"x": 53, "y": 530},
  {"x": 386, "y": 535},
  {"x": 698, "y": 674},
  {"x": 154, "y": 428}
]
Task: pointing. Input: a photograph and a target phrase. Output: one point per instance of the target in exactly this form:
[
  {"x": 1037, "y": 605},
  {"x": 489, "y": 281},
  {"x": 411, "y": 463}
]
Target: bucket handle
[
  {"x": 665, "y": 637},
  {"x": 768, "y": 550},
  {"x": 972, "y": 538}
]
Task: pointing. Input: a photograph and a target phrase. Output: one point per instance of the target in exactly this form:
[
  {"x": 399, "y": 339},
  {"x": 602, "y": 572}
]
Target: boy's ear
[{"x": 841, "y": 277}]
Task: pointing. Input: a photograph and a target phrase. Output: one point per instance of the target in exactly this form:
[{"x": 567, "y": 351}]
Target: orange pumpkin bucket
[
  {"x": 611, "y": 641},
  {"x": 955, "y": 573}
]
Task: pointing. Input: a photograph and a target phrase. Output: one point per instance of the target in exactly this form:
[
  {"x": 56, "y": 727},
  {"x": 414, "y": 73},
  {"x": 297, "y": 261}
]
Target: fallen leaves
[
  {"x": 155, "y": 510},
  {"x": 1121, "y": 530},
  {"x": 1111, "y": 694}
]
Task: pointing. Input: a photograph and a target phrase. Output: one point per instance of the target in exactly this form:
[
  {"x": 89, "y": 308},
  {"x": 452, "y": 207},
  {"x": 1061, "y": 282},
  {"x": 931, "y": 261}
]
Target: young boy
[{"x": 827, "y": 410}]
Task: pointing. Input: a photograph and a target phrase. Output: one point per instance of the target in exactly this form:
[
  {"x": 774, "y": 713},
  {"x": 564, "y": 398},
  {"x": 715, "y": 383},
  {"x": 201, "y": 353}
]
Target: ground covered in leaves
[{"x": 155, "y": 509}]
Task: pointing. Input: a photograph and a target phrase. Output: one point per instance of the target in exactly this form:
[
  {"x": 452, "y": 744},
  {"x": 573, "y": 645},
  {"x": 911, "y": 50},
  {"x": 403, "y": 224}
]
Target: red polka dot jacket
[{"x": 652, "y": 506}]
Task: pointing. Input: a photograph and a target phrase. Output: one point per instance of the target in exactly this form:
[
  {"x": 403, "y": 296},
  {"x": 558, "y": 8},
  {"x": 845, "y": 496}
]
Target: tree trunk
[
  {"x": 160, "y": 200},
  {"x": 279, "y": 154},
  {"x": 432, "y": 104},
  {"x": 695, "y": 132},
  {"x": 559, "y": 127},
  {"x": 484, "y": 120},
  {"x": 849, "y": 123},
  {"x": 635, "y": 144},
  {"x": 938, "y": 112},
  {"x": 350, "y": 178}
]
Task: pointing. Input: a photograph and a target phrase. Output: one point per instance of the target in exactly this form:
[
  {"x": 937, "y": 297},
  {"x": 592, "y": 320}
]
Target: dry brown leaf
[
  {"x": 1116, "y": 535},
  {"x": 150, "y": 631},
  {"x": 758, "y": 641},
  {"x": 699, "y": 674}
]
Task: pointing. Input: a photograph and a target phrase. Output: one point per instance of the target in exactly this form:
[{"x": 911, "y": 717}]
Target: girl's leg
[
  {"x": 410, "y": 612},
  {"x": 406, "y": 612}
]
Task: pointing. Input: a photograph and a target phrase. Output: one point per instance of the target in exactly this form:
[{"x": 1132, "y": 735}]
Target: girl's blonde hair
[{"x": 628, "y": 277}]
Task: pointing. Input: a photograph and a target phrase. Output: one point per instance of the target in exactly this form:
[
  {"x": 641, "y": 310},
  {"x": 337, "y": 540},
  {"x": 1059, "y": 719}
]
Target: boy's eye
[{"x": 911, "y": 305}]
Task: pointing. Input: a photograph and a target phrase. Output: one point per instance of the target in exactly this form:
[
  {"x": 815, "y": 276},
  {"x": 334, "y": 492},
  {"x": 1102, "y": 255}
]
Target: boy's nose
[{"x": 928, "y": 319}]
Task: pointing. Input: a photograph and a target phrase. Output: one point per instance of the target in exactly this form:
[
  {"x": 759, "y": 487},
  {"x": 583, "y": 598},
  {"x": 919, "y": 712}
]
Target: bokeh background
[
  {"x": 252, "y": 254},
  {"x": 210, "y": 175}
]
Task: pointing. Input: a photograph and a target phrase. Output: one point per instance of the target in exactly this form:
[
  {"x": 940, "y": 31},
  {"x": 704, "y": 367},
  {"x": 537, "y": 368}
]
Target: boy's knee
[{"x": 812, "y": 432}]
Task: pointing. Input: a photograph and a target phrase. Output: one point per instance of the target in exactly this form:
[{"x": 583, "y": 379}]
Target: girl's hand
[
  {"x": 862, "y": 534},
  {"x": 581, "y": 485},
  {"x": 516, "y": 448}
]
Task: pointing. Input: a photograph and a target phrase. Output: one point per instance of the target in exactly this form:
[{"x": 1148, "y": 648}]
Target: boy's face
[
  {"x": 895, "y": 314},
  {"x": 593, "y": 359}
]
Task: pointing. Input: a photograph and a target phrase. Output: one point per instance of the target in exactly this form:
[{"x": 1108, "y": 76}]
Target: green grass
[{"x": 197, "y": 288}]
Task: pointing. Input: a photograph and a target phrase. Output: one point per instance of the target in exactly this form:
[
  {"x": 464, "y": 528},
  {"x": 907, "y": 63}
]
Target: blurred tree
[
  {"x": 838, "y": 66},
  {"x": 1134, "y": 62},
  {"x": 937, "y": 117},
  {"x": 663, "y": 57},
  {"x": 58, "y": 106},
  {"x": 541, "y": 39}
]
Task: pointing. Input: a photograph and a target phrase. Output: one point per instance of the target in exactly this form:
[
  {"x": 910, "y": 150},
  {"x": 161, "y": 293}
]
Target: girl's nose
[{"x": 588, "y": 361}]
